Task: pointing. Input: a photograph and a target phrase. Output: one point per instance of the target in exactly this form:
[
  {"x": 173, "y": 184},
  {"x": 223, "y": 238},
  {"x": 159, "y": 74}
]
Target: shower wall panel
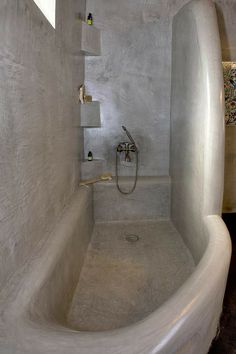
[
  {"x": 39, "y": 119},
  {"x": 132, "y": 78}
]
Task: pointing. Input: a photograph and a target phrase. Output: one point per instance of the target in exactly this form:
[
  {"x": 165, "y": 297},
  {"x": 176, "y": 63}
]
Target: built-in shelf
[
  {"x": 90, "y": 39},
  {"x": 90, "y": 114},
  {"x": 90, "y": 169}
]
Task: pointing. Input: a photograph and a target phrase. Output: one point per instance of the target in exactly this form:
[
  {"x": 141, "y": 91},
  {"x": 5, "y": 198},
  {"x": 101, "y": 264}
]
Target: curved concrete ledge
[{"x": 197, "y": 122}]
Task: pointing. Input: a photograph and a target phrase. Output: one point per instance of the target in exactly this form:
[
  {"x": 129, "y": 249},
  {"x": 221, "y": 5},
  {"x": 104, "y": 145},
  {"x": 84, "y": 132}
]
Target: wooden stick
[{"x": 104, "y": 177}]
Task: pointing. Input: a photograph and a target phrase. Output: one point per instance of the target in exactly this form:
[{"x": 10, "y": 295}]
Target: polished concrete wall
[
  {"x": 39, "y": 136},
  {"x": 132, "y": 78},
  {"x": 226, "y": 12},
  {"x": 197, "y": 123}
]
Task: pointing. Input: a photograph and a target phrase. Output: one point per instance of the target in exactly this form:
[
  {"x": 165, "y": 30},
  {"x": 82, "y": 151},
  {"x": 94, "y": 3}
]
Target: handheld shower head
[
  {"x": 129, "y": 135},
  {"x": 126, "y": 148}
]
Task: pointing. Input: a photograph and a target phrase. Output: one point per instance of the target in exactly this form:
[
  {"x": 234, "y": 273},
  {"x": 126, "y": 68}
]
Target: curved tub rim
[{"x": 168, "y": 319}]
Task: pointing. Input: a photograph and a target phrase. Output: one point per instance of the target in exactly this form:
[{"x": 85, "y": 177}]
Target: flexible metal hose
[{"x": 136, "y": 175}]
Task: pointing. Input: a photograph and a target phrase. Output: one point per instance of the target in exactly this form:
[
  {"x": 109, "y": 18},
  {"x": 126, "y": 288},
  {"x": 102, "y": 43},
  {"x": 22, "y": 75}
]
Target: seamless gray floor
[{"x": 122, "y": 282}]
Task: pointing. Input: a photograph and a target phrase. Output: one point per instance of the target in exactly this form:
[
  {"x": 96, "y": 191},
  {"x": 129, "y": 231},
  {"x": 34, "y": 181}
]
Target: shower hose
[{"x": 136, "y": 175}]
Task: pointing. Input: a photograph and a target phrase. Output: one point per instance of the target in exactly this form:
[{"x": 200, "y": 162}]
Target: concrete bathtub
[
  {"x": 35, "y": 302},
  {"x": 34, "y": 305}
]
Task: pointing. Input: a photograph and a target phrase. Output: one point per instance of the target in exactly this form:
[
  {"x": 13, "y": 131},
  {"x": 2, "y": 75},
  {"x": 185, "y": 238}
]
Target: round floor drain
[{"x": 132, "y": 238}]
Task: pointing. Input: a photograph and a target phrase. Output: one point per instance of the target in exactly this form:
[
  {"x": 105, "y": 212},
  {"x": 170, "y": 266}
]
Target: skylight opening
[{"x": 48, "y": 8}]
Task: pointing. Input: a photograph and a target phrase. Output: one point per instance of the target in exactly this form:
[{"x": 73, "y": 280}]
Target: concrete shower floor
[{"x": 123, "y": 281}]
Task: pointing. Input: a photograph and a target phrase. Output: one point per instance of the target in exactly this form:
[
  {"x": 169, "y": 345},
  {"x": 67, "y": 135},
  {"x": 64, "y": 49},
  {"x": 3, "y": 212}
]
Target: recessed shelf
[
  {"x": 90, "y": 169},
  {"x": 90, "y": 114}
]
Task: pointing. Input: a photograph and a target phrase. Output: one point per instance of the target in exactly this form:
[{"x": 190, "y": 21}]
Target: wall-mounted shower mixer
[{"x": 126, "y": 148}]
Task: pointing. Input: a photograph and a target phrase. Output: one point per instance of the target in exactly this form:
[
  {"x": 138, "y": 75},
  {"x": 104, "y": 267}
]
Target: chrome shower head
[{"x": 129, "y": 135}]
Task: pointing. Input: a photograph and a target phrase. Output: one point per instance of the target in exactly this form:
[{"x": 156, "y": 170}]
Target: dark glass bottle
[
  {"x": 90, "y": 156},
  {"x": 90, "y": 19}
]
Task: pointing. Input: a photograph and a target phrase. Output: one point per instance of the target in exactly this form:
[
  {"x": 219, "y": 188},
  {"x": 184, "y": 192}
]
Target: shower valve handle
[{"x": 126, "y": 147}]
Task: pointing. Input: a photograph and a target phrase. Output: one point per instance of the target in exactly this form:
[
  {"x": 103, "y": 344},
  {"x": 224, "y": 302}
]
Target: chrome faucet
[
  {"x": 127, "y": 147},
  {"x": 129, "y": 136}
]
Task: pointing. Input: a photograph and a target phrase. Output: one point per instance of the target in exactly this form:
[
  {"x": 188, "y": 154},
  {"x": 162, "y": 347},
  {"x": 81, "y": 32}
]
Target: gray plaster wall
[
  {"x": 197, "y": 118},
  {"x": 40, "y": 138},
  {"x": 132, "y": 78},
  {"x": 226, "y": 11}
]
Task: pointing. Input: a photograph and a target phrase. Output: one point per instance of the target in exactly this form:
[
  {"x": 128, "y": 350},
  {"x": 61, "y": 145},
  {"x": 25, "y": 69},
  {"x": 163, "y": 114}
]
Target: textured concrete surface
[
  {"x": 91, "y": 169},
  {"x": 187, "y": 321},
  {"x": 90, "y": 114},
  {"x": 39, "y": 138},
  {"x": 132, "y": 78},
  {"x": 150, "y": 200},
  {"x": 197, "y": 126},
  {"x": 90, "y": 39},
  {"x": 226, "y": 12},
  {"x": 34, "y": 303},
  {"x": 63, "y": 265},
  {"x": 229, "y": 204},
  {"x": 122, "y": 282}
]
